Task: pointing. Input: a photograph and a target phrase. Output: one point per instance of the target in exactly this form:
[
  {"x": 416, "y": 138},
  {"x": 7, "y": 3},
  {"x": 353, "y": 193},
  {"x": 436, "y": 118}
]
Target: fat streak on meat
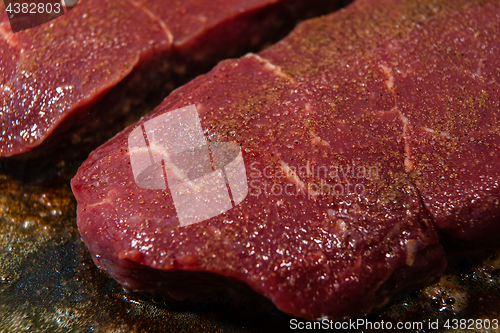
[{"x": 406, "y": 89}]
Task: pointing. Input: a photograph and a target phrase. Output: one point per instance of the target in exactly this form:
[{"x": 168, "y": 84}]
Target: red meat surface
[
  {"x": 91, "y": 66},
  {"x": 365, "y": 135}
]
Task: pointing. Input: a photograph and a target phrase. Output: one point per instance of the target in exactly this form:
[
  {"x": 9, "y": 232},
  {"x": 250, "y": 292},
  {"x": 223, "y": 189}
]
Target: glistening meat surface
[
  {"x": 364, "y": 134},
  {"x": 90, "y": 67}
]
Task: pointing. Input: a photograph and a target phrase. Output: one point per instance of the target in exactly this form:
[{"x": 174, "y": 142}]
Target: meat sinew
[
  {"x": 363, "y": 135},
  {"x": 103, "y": 58}
]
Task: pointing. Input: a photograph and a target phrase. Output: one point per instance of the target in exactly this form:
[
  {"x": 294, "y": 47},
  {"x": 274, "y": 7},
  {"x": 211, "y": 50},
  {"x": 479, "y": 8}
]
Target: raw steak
[
  {"x": 364, "y": 134},
  {"x": 53, "y": 77}
]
